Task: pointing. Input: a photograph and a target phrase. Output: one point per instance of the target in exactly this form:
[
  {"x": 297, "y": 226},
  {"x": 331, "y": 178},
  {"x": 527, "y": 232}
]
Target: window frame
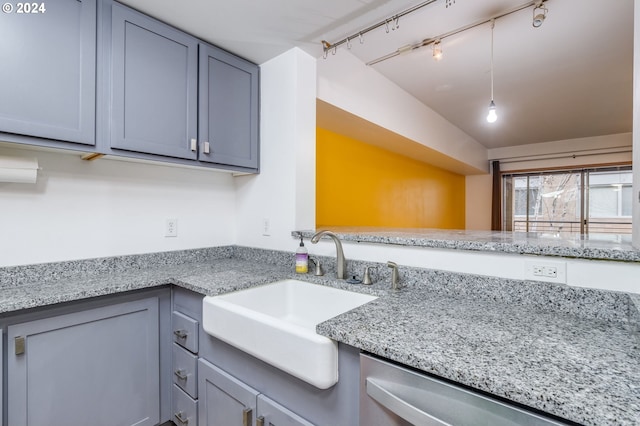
[{"x": 508, "y": 190}]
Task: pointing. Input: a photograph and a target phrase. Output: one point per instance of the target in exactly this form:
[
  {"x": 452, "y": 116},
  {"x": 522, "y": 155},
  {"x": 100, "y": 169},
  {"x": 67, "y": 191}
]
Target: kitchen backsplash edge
[
  {"x": 13, "y": 276},
  {"x": 581, "y": 302}
]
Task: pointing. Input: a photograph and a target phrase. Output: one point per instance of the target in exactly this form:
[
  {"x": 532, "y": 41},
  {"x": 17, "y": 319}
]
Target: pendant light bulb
[{"x": 493, "y": 115}]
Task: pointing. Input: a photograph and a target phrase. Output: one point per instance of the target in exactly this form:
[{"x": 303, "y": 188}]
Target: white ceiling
[{"x": 570, "y": 78}]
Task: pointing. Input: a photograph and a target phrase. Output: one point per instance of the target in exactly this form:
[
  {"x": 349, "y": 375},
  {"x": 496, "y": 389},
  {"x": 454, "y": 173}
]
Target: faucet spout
[
  {"x": 340, "y": 260},
  {"x": 395, "y": 275}
]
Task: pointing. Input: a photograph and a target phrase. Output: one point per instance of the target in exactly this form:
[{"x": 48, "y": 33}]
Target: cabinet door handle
[
  {"x": 182, "y": 420},
  {"x": 194, "y": 145},
  {"x": 206, "y": 148},
  {"x": 19, "y": 342},
  {"x": 246, "y": 417},
  {"x": 181, "y": 334},
  {"x": 260, "y": 421},
  {"x": 180, "y": 374}
]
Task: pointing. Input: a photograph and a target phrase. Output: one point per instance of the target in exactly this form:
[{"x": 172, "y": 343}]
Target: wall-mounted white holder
[{"x": 18, "y": 170}]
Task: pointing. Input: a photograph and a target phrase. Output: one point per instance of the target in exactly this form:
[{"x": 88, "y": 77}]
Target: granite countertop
[
  {"x": 581, "y": 369},
  {"x": 595, "y": 246},
  {"x": 586, "y": 371}
]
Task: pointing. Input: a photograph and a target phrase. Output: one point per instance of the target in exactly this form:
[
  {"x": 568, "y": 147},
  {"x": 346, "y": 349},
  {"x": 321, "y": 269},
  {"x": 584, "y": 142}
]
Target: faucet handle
[
  {"x": 318, "y": 268},
  {"x": 367, "y": 275}
]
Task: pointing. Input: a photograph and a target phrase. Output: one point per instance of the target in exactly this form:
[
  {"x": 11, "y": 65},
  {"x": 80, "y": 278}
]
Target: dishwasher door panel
[{"x": 391, "y": 395}]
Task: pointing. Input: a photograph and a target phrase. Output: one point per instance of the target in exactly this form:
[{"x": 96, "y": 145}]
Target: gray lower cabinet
[
  {"x": 184, "y": 408},
  {"x": 1, "y": 377},
  {"x": 154, "y": 86},
  {"x": 93, "y": 367},
  {"x": 226, "y": 401},
  {"x": 185, "y": 325},
  {"x": 270, "y": 413},
  {"x": 228, "y": 108},
  {"x": 48, "y": 72}
]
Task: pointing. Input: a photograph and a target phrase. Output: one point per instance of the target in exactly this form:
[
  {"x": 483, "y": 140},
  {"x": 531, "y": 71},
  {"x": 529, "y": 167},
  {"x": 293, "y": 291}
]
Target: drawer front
[
  {"x": 185, "y": 409},
  {"x": 185, "y": 331},
  {"x": 188, "y": 303},
  {"x": 185, "y": 370}
]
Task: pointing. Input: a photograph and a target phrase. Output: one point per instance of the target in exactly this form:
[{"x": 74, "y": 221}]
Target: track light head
[
  {"x": 539, "y": 15},
  {"x": 437, "y": 50}
]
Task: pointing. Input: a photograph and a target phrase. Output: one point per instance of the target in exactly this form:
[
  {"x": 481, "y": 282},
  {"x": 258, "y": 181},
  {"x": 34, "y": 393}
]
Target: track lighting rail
[
  {"x": 431, "y": 40},
  {"x": 394, "y": 21}
]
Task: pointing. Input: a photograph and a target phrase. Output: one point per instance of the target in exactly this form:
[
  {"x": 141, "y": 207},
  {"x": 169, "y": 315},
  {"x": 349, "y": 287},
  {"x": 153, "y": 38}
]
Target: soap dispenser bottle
[{"x": 302, "y": 258}]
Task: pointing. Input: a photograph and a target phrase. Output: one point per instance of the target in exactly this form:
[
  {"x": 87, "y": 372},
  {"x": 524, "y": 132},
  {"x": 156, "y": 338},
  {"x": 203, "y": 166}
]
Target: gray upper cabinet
[
  {"x": 154, "y": 86},
  {"x": 228, "y": 109},
  {"x": 48, "y": 72},
  {"x": 94, "y": 367}
]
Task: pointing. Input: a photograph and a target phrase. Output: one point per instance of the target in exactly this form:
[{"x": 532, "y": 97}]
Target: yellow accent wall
[{"x": 362, "y": 185}]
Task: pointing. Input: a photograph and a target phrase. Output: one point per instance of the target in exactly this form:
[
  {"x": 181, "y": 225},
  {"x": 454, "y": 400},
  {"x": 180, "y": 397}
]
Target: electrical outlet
[
  {"x": 266, "y": 227},
  {"x": 171, "y": 228},
  {"x": 554, "y": 272},
  {"x": 550, "y": 272}
]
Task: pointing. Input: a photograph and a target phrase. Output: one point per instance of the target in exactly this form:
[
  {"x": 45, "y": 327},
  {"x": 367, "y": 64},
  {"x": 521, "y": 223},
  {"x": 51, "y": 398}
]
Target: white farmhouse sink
[{"x": 276, "y": 323}]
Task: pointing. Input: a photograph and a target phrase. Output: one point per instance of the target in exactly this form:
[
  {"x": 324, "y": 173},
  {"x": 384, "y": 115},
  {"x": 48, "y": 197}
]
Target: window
[{"x": 576, "y": 201}]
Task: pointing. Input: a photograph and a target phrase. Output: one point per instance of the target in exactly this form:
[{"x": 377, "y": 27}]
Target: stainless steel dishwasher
[{"x": 391, "y": 395}]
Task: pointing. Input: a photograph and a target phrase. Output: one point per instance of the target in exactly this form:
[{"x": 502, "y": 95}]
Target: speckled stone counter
[
  {"x": 571, "y": 352},
  {"x": 598, "y": 246},
  {"x": 207, "y": 271},
  {"x": 587, "y": 371}
]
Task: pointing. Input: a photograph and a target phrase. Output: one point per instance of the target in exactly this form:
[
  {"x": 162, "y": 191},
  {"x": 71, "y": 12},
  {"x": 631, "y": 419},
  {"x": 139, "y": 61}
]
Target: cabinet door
[
  {"x": 270, "y": 413},
  {"x": 94, "y": 367},
  {"x": 154, "y": 85},
  {"x": 228, "y": 109},
  {"x": 48, "y": 72},
  {"x": 223, "y": 400}
]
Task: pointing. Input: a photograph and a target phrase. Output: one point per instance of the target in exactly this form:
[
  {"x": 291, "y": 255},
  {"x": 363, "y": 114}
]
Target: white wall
[
  {"x": 478, "y": 190},
  {"x": 606, "y": 149},
  {"x": 284, "y": 191},
  {"x": 347, "y": 83},
  {"x": 80, "y": 209}
]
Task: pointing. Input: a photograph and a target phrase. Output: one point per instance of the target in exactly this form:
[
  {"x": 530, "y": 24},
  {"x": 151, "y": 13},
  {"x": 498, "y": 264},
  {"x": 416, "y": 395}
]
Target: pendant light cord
[{"x": 493, "y": 24}]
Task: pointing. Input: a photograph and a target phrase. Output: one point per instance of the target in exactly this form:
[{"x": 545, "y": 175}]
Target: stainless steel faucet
[
  {"x": 340, "y": 260},
  {"x": 395, "y": 275}
]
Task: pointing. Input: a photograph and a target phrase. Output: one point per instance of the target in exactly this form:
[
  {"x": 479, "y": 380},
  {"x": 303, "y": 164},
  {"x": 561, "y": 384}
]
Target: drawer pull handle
[
  {"x": 260, "y": 421},
  {"x": 182, "y": 420},
  {"x": 246, "y": 417},
  {"x": 180, "y": 374},
  {"x": 181, "y": 334}
]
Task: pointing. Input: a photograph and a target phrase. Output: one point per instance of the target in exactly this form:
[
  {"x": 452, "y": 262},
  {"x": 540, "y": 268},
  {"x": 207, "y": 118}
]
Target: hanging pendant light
[{"x": 492, "y": 116}]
